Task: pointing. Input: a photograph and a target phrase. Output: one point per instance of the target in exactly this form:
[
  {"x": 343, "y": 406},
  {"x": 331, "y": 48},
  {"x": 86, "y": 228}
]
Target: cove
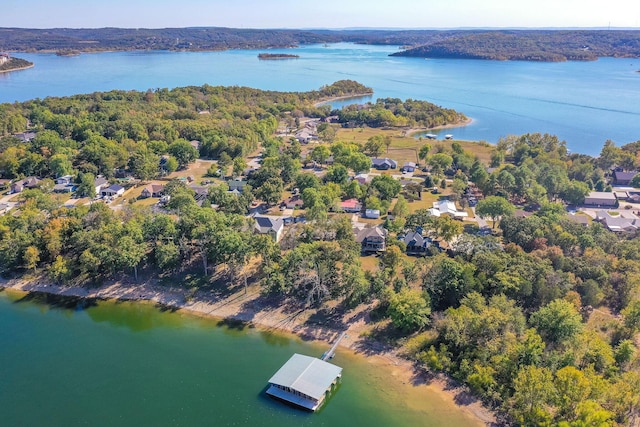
[
  {"x": 70, "y": 362},
  {"x": 583, "y": 103}
]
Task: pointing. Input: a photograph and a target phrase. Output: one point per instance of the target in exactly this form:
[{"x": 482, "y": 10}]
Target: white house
[
  {"x": 113, "y": 191},
  {"x": 447, "y": 207}
]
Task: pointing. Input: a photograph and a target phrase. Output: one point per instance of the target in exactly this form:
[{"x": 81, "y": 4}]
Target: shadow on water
[
  {"x": 234, "y": 324},
  {"x": 275, "y": 339},
  {"x": 58, "y": 301}
]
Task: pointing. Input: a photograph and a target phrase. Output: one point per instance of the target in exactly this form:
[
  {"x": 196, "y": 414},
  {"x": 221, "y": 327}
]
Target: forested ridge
[
  {"x": 549, "y": 46},
  {"x": 530, "y": 45},
  {"x": 540, "y": 318}
]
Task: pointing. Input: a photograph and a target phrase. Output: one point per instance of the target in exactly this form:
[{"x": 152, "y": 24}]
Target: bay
[
  {"x": 583, "y": 103},
  {"x": 72, "y": 363}
]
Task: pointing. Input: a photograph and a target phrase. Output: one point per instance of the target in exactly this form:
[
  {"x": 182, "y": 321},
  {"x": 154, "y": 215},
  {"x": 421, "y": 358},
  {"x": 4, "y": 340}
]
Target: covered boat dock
[{"x": 304, "y": 381}]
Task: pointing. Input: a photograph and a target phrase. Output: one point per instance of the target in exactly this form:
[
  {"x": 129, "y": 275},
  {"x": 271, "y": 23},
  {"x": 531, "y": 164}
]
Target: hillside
[{"x": 548, "y": 46}]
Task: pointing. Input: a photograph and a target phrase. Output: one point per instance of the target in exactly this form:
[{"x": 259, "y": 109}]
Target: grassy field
[
  {"x": 404, "y": 148},
  {"x": 198, "y": 170}
]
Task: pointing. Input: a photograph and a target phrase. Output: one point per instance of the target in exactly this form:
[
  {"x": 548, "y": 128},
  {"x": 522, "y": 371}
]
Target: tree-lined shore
[{"x": 529, "y": 45}]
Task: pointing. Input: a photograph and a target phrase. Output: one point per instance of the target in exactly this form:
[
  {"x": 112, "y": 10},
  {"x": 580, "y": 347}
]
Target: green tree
[
  {"x": 557, "y": 321},
  {"x": 440, "y": 162},
  {"x": 387, "y": 187},
  {"x": 31, "y": 258},
  {"x": 87, "y": 186},
  {"x": 494, "y": 207},
  {"x": 320, "y": 153},
  {"x": 423, "y": 153},
  {"x": 533, "y": 390},
  {"x": 270, "y": 191},
  {"x": 401, "y": 208},
  {"x": 409, "y": 310},
  {"x": 239, "y": 165},
  {"x": 183, "y": 152}
]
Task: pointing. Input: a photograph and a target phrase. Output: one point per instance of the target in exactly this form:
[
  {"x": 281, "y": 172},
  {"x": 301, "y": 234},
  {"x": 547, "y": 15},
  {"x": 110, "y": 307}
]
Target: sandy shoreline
[
  {"x": 252, "y": 308},
  {"x": 414, "y": 131},
  {"x": 17, "y": 69}
]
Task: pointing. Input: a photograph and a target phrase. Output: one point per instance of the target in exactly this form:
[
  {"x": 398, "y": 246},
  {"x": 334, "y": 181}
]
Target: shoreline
[
  {"x": 339, "y": 98},
  {"x": 252, "y": 309},
  {"x": 414, "y": 131},
  {"x": 17, "y": 69}
]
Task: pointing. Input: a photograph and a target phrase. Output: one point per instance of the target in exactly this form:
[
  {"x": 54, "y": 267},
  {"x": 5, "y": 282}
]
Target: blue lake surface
[{"x": 583, "y": 103}]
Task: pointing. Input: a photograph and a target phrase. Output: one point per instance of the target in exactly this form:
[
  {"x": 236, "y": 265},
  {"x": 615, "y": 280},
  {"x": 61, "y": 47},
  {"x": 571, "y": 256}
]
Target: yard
[{"x": 405, "y": 148}]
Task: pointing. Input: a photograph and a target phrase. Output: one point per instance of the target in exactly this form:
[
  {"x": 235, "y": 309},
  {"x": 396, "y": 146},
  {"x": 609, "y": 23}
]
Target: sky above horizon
[{"x": 319, "y": 14}]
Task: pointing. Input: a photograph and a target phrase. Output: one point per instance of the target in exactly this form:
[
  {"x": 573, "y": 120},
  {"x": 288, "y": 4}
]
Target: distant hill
[
  {"x": 552, "y": 46},
  {"x": 535, "y": 45}
]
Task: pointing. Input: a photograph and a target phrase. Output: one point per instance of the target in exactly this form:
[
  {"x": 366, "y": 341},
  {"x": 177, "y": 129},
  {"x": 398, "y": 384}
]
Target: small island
[
  {"x": 68, "y": 52},
  {"x": 277, "y": 56},
  {"x": 7, "y": 63}
]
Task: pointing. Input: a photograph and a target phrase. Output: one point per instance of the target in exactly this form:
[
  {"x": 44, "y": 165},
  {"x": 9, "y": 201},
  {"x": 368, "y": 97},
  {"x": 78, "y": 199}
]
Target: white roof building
[
  {"x": 447, "y": 207},
  {"x": 304, "y": 381}
]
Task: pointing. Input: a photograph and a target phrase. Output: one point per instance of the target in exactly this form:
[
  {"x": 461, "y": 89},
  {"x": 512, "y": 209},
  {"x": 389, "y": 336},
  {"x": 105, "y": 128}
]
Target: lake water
[
  {"x": 126, "y": 364},
  {"x": 584, "y": 103}
]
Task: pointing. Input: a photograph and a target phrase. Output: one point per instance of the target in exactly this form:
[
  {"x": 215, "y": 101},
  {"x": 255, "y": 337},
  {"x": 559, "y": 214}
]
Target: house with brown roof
[
  {"x": 27, "y": 183},
  {"x": 152, "y": 190}
]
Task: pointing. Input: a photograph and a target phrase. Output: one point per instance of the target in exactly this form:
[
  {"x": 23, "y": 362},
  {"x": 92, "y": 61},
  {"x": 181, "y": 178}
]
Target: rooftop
[{"x": 307, "y": 375}]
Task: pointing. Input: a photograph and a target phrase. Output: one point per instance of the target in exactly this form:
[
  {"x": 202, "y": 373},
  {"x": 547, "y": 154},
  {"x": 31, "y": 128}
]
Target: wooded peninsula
[
  {"x": 530, "y": 45},
  {"x": 526, "y": 299},
  {"x": 14, "y": 64}
]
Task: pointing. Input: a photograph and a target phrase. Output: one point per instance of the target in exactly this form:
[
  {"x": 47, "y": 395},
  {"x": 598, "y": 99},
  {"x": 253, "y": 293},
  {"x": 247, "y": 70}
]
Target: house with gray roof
[
  {"x": 372, "y": 239},
  {"x": 601, "y": 199},
  {"x": 626, "y": 222},
  {"x": 384, "y": 163},
  {"x": 416, "y": 243},
  {"x": 270, "y": 225}
]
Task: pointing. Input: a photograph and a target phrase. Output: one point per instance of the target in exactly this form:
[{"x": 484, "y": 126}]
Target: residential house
[
  {"x": 362, "y": 178},
  {"x": 351, "y": 206},
  {"x": 626, "y": 222},
  {"x": 100, "y": 183},
  {"x": 306, "y": 135},
  {"x": 152, "y": 190},
  {"x": 27, "y": 183},
  {"x": 201, "y": 192},
  {"x": 112, "y": 191},
  {"x": 623, "y": 178},
  {"x": 601, "y": 199},
  {"x": 579, "y": 219},
  {"x": 372, "y": 213},
  {"x": 236, "y": 184},
  {"x": 272, "y": 226},
  {"x": 447, "y": 207},
  {"x": 195, "y": 144},
  {"x": 384, "y": 164},
  {"x": 416, "y": 243},
  {"x": 294, "y": 202},
  {"x": 409, "y": 167},
  {"x": 25, "y": 136},
  {"x": 372, "y": 239},
  {"x": 67, "y": 179}
]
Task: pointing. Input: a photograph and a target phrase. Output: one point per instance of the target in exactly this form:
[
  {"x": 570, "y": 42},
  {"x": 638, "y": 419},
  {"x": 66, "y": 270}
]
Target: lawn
[
  {"x": 197, "y": 169},
  {"x": 404, "y": 148}
]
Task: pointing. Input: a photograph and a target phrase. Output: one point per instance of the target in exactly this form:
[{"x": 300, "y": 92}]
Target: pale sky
[{"x": 319, "y": 13}]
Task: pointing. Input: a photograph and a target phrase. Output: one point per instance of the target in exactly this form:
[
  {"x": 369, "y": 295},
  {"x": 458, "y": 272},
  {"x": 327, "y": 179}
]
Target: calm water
[
  {"x": 584, "y": 103},
  {"x": 132, "y": 365}
]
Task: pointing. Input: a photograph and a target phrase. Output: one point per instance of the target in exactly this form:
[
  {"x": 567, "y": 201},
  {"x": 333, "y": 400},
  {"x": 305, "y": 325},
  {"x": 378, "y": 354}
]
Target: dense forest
[
  {"x": 550, "y": 46},
  {"x": 540, "y": 317},
  {"x": 397, "y": 113},
  {"x": 533, "y": 45}
]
